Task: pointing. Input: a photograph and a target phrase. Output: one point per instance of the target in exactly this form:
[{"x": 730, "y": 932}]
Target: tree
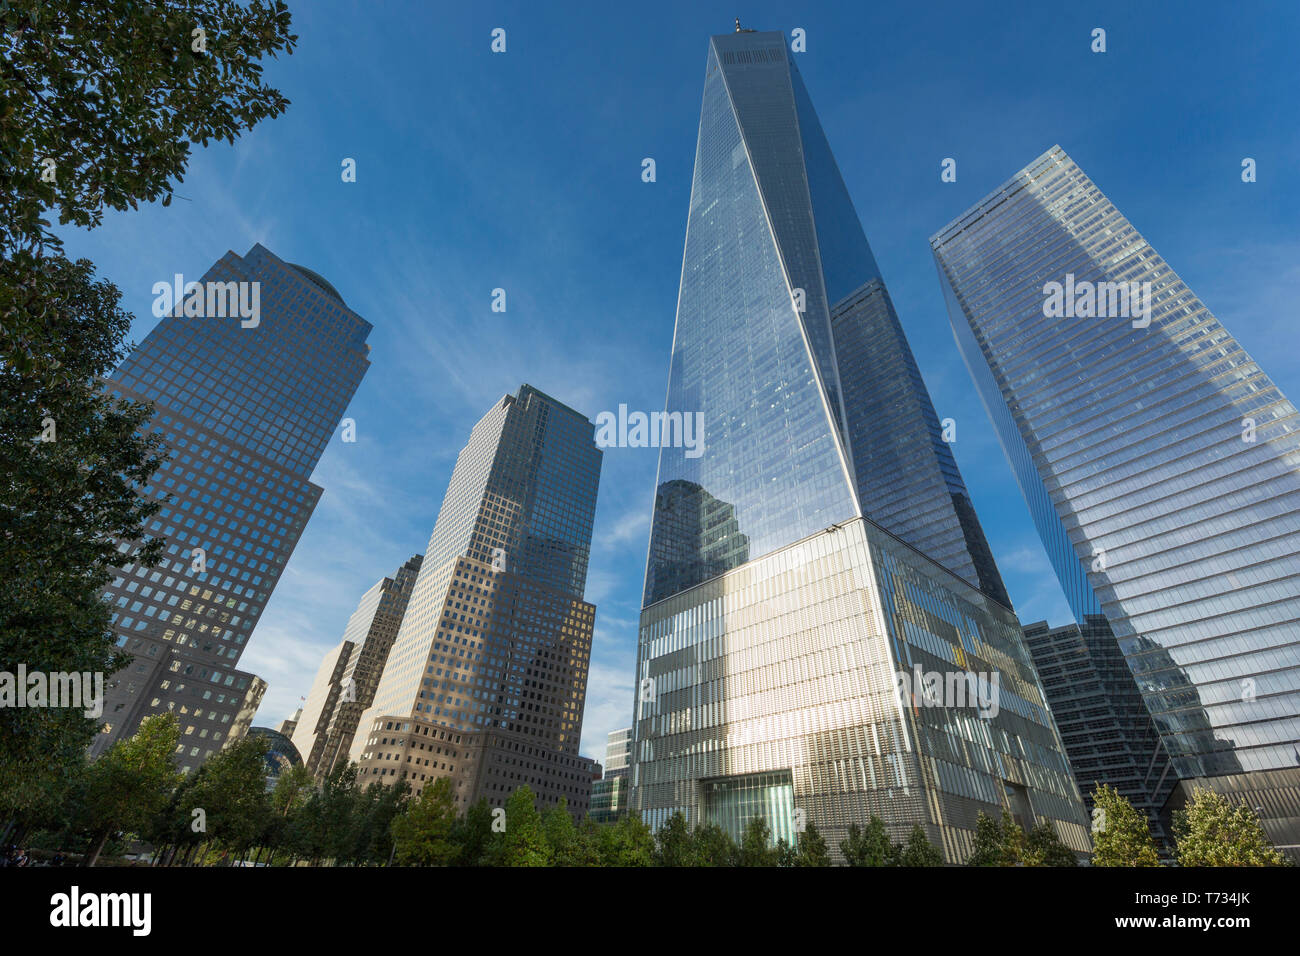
[
  {"x": 71, "y": 459},
  {"x": 755, "y": 844},
  {"x": 1043, "y": 847},
  {"x": 425, "y": 834},
  {"x": 1213, "y": 831},
  {"x": 292, "y": 788},
  {"x": 674, "y": 845},
  {"x": 870, "y": 847},
  {"x": 231, "y": 793},
  {"x": 627, "y": 842},
  {"x": 713, "y": 846},
  {"x": 130, "y": 783},
  {"x": 812, "y": 848},
  {"x": 524, "y": 842},
  {"x": 114, "y": 93},
  {"x": 567, "y": 846},
  {"x": 101, "y": 104},
  {"x": 473, "y": 834},
  {"x": 989, "y": 843},
  {"x": 1121, "y": 836},
  {"x": 918, "y": 850}
]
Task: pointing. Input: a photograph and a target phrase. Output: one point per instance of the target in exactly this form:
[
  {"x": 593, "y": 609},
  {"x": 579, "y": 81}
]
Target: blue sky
[{"x": 522, "y": 171}]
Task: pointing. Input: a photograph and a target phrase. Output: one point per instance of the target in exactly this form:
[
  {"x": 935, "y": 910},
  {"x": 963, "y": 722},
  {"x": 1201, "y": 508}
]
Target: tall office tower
[
  {"x": 487, "y": 678},
  {"x": 345, "y": 684},
  {"x": 247, "y": 400},
  {"x": 1159, "y": 462},
  {"x": 609, "y": 794},
  {"x": 1108, "y": 734},
  {"x": 822, "y": 546}
]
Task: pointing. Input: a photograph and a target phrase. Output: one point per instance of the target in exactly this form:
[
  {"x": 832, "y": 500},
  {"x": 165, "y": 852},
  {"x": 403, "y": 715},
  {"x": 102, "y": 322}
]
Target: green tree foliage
[
  {"x": 755, "y": 845},
  {"x": 918, "y": 850},
  {"x": 870, "y": 847},
  {"x": 989, "y": 844},
  {"x": 569, "y": 846},
  {"x": 425, "y": 834},
  {"x": 473, "y": 834},
  {"x": 714, "y": 846},
  {"x": 1213, "y": 831},
  {"x": 115, "y": 93},
  {"x": 101, "y": 103},
  {"x": 812, "y": 848},
  {"x": 130, "y": 784},
  {"x": 231, "y": 792},
  {"x": 524, "y": 841},
  {"x": 65, "y": 503},
  {"x": 626, "y": 842},
  {"x": 1121, "y": 836},
  {"x": 1005, "y": 843},
  {"x": 674, "y": 843},
  {"x": 1043, "y": 847}
]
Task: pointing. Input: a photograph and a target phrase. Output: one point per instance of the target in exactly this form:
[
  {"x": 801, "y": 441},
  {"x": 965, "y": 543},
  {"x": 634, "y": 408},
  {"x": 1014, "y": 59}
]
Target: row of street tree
[{"x": 224, "y": 812}]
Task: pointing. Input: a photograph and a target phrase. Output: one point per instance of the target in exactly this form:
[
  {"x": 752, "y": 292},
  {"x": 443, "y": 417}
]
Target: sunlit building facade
[
  {"x": 1160, "y": 463},
  {"x": 823, "y": 548},
  {"x": 247, "y": 405},
  {"x": 345, "y": 683},
  {"x": 487, "y": 678}
]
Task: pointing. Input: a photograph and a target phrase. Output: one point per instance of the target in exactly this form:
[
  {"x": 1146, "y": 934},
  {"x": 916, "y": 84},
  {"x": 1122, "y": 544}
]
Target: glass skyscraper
[
  {"x": 487, "y": 678},
  {"x": 823, "y": 546},
  {"x": 1160, "y": 464},
  {"x": 247, "y": 405}
]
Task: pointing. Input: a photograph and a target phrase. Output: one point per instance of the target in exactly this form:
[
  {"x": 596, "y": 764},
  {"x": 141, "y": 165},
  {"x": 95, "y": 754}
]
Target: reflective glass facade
[
  {"x": 486, "y": 680},
  {"x": 790, "y": 665},
  {"x": 823, "y": 544},
  {"x": 247, "y": 412},
  {"x": 1160, "y": 463},
  {"x": 787, "y": 343}
]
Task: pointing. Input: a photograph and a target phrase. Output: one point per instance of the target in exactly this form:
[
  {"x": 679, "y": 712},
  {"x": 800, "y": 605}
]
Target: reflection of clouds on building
[{"x": 824, "y": 542}]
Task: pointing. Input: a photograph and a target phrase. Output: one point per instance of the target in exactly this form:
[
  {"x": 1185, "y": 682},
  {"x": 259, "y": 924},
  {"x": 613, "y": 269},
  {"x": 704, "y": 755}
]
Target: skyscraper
[
  {"x": 1160, "y": 463},
  {"x": 1108, "y": 734},
  {"x": 247, "y": 400},
  {"x": 345, "y": 684},
  {"x": 609, "y": 794},
  {"x": 487, "y": 679},
  {"x": 822, "y": 550}
]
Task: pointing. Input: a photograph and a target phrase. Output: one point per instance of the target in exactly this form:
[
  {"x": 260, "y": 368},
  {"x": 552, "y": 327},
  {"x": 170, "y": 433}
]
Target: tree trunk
[{"x": 99, "y": 847}]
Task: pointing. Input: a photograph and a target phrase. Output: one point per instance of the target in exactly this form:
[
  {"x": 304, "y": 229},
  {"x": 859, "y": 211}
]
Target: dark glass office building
[
  {"x": 247, "y": 404},
  {"x": 823, "y": 546},
  {"x": 1108, "y": 734},
  {"x": 1160, "y": 463},
  {"x": 487, "y": 678}
]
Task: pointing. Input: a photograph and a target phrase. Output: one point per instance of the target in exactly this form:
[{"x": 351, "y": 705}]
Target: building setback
[
  {"x": 487, "y": 679},
  {"x": 1161, "y": 466},
  {"x": 823, "y": 548},
  {"x": 247, "y": 405},
  {"x": 345, "y": 684}
]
